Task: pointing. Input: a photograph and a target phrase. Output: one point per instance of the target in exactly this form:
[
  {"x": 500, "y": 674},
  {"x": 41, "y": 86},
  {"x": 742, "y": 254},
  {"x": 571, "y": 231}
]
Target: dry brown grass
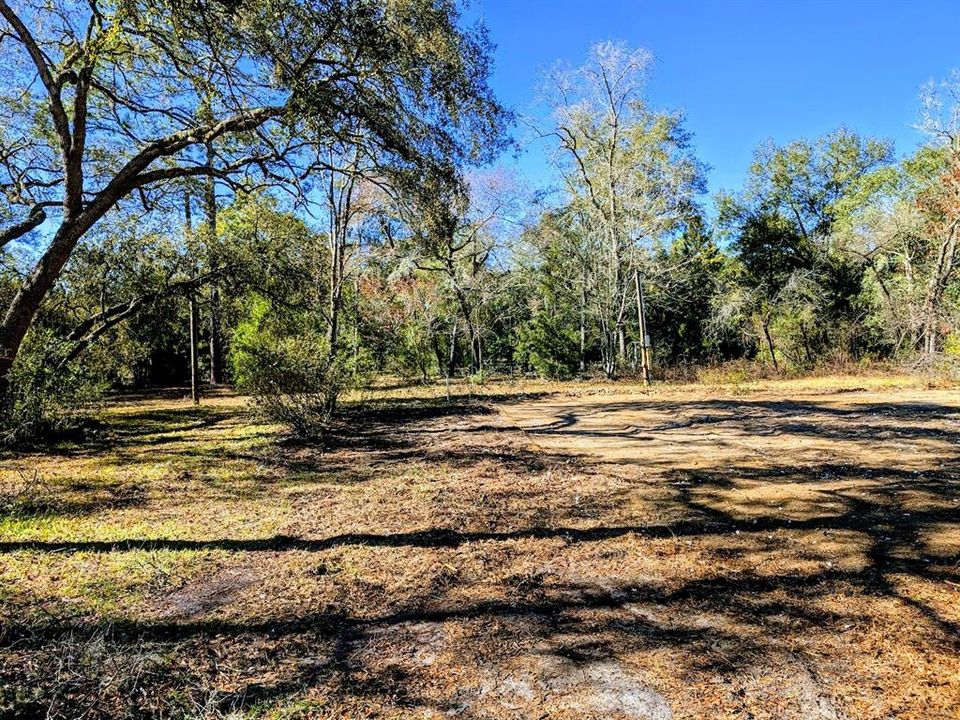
[{"x": 780, "y": 550}]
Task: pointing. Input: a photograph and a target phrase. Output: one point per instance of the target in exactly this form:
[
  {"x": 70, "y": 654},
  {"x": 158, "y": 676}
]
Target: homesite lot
[{"x": 789, "y": 550}]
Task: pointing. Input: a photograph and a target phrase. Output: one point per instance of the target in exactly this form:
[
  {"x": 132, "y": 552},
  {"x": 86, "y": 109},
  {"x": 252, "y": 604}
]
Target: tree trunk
[
  {"x": 336, "y": 283},
  {"x": 583, "y": 331},
  {"x": 435, "y": 341},
  {"x": 452, "y": 361},
  {"x": 608, "y": 349},
  {"x": 773, "y": 351},
  {"x": 621, "y": 345},
  {"x": 194, "y": 360},
  {"x": 25, "y": 304},
  {"x": 216, "y": 341},
  {"x": 478, "y": 351},
  {"x": 340, "y": 209},
  {"x": 194, "y": 317},
  {"x": 472, "y": 332},
  {"x": 937, "y": 285},
  {"x": 473, "y": 347},
  {"x": 806, "y": 345},
  {"x": 929, "y": 340}
]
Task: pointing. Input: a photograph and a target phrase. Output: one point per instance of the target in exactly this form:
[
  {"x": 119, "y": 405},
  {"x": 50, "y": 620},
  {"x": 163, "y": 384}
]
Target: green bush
[
  {"x": 293, "y": 383},
  {"x": 551, "y": 350},
  {"x": 44, "y": 400},
  {"x": 951, "y": 345},
  {"x": 414, "y": 358},
  {"x": 287, "y": 371}
]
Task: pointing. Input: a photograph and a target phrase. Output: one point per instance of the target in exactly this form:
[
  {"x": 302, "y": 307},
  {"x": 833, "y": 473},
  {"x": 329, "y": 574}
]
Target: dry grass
[{"x": 726, "y": 550}]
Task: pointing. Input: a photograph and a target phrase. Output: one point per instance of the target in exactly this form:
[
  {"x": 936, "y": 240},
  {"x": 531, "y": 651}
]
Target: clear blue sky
[{"x": 742, "y": 70}]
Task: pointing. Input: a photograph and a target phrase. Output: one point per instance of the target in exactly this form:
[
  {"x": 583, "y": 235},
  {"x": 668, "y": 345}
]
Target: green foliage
[
  {"x": 818, "y": 183},
  {"x": 414, "y": 355},
  {"x": 400, "y": 321},
  {"x": 801, "y": 289},
  {"x": 119, "y": 264},
  {"x": 951, "y": 345},
  {"x": 415, "y": 265},
  {"x": 549, "y": 347},
  {"x": 264, "y": 94},
  {"x": 293, "y": 383},
  {"x": 291, "y": 377},
  {"x": 679, "y": 303},
  {"x": 771, "y": 249},
  {"x": 248, "y": 335},
  {"x": 43, "y": 400},
  {"x": 631, "y": 179}
]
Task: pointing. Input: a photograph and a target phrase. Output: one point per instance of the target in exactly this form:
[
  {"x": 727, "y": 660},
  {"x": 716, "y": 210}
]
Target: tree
[
  {"x": 909, "y": 238},
  {"x": 939, "y": 203},
  {"x": 461, "y": 237},
  {"x": 348, "y": 196},
  {"x": 688, "y": 274},
  {"x": 787, "y": 232},
  {"x": 627, "y": 169},
  {"x": 118, "y": 275},
  {"x": 280, "y": 350},
  {"x": 109, "y": 102},
  {"x": 558, "y": 253}
]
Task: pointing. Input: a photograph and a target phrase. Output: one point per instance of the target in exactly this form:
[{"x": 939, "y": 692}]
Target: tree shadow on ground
[
  {"x": 35, "y": 500},
  {"x": 720, "y": 620},
  {"x": 403, "y": 430},
  {"x": 119, "y": 433},
  {"x": 766, "y": 417}
]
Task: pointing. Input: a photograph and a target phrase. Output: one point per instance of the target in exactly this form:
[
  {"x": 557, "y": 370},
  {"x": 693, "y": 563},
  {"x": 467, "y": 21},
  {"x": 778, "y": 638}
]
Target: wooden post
[{"x": 644, "y": 337}]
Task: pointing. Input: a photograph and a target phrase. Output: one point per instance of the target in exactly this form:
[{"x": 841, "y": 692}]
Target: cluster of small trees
[{"x": 288, "y": 196}]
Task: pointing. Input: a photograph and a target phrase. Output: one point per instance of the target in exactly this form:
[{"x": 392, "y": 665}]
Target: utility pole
[
  {"x": 644, "y": 336},
  {"x": 194, "y": 365}
]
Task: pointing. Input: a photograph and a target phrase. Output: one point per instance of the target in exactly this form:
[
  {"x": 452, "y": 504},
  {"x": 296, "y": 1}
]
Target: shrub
[
  {"x": 414, "y": 357},
  {"x": 293, "y": 383},
  {"x": 44, "y": 400},
  {"x": 553, "y": 351},
  {"x": 951, "y": 345},
  {"x": 287, "y": 371}
]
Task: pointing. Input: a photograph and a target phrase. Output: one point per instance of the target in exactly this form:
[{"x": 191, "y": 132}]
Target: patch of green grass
[{"x": 108, "y": 586}]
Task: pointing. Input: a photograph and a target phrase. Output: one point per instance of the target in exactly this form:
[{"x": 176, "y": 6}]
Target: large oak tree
[{"x": 108, "y": 102}]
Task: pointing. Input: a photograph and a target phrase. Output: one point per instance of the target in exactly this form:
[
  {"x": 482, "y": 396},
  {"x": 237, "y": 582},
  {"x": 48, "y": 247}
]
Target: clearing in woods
[{"x": 574, "y": 551}]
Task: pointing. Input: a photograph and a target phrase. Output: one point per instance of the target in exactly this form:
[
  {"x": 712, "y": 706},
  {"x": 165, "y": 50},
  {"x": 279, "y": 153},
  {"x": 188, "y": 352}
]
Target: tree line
[{"x": 294, "y": 197}]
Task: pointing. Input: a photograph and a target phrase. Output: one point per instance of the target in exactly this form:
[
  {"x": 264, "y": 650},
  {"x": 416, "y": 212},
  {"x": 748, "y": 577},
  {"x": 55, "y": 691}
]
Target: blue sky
[{"x": 741, "y": 70}]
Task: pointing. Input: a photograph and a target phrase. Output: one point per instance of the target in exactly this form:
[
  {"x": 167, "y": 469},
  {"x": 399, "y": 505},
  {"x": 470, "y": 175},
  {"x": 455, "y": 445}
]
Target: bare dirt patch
[{"x": 204, "y": 595}]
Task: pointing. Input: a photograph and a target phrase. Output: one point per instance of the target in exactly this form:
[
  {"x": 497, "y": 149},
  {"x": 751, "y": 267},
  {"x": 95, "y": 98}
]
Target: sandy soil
[{"x": 841, "y": 512}]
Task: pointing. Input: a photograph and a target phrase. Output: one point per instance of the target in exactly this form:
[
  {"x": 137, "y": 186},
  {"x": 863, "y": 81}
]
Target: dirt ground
[{"x": 788, "y": 552}]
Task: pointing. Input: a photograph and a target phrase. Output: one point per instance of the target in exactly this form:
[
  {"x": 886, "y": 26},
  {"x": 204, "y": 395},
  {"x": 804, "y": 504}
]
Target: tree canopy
[{"x": 300, "y": 196}]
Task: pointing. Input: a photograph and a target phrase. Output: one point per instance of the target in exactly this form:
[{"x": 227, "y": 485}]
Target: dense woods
[{"x": 298, "y": 197}]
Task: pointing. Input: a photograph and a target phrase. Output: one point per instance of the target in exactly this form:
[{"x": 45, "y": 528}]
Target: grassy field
[{"x": 782, "y": 550}]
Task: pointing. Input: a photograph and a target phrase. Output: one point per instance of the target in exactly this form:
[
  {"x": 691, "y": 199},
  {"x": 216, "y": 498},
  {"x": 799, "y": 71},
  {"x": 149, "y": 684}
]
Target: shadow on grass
[
  {"x": 807, "y": 418},
  {"x": 720, "y": 622},
  {"x": 40, "y": 501}
]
